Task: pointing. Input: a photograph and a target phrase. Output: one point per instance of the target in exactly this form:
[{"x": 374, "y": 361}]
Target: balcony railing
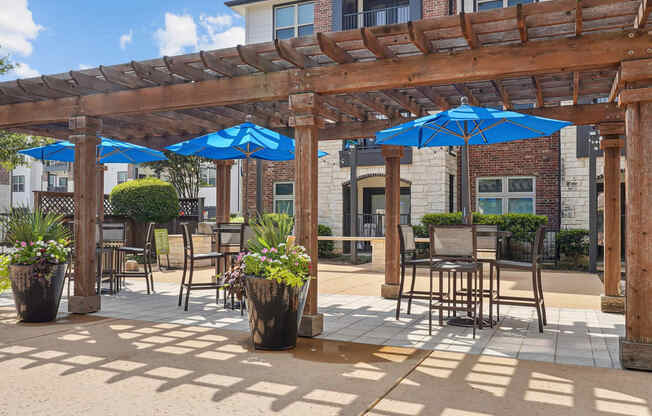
[
  {"x": 58, "y": 166},
  {"x": 376, "y": 17}
]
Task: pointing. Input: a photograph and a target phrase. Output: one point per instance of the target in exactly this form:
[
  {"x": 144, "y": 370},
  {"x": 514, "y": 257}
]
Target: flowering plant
[{"x": 285, "y": 264}]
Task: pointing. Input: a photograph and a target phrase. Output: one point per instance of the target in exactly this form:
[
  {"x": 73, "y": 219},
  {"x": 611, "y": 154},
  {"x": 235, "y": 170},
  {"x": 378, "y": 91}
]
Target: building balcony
[
  {"x": 376, "y": 17},
  {"x": 372, "y": 156},
  {"x": 50, "y": 166}
]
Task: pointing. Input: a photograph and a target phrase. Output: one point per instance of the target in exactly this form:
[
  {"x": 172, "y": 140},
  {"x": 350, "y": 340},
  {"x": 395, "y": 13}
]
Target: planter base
[
  {"x": 311, "y": 325},
  {"x": 635, "y": 355},
  {"x": 612, "y": 304},
  {"x": 84, "y": 304},
  {"x": 389, "y": 291}
]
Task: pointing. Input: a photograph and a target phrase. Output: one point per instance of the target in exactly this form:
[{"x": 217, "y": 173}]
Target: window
[
  {"x": 284, "y": 198},
  {"x": 207, "y": 175},
  {"x": 63, "y": 184},
  {"x": 18, "y": 183},
  {"x": 451, "y": 193},
  {"x": 122, "y": 177},
  {"x": 294, "y": 20},
  {"x": 506, "y": 195},
  {"x": 496, "y": 4}
]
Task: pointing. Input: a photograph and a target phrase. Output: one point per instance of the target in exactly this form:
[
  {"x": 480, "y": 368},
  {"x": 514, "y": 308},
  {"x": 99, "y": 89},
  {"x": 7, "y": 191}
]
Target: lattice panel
[
  {"x": 189, "y": 207},
  {"x": 63, "y": 203}
]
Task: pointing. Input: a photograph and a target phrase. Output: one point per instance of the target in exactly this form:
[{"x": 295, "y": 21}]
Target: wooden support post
[
  {"x": 223, "y": 190},
  {"x": 85, "y": 299},
  {"x": 304, "y": 110},
  {"x": 392, "y": 156},
  {"x": 636, "y": 347},
  {"x": 611, "y": 144}
]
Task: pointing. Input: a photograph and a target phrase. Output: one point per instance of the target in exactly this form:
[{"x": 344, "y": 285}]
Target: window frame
[
  {"x": 277, "y": 197},
  {"x": 16, "y": 183},
  {"x": 205, "y": 176},
  {"x": 504, "y": 194},
  {"x": 126, "y": 176},
  {"x": 295, "y": 26},
  {"x": 476, "y": 3}
]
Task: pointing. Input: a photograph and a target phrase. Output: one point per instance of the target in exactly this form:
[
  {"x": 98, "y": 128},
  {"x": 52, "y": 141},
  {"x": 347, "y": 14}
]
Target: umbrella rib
[
  {"x": 481, "y": 132},
  {"x": 440, "y": 127},
  {"x": 525, "y": 127}
]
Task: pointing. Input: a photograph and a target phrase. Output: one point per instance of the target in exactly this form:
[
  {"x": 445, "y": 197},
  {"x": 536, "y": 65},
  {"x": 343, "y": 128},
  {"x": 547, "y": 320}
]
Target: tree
[
  {"x": 5, "y": 65},
  {"x": 181, "y": 171}
]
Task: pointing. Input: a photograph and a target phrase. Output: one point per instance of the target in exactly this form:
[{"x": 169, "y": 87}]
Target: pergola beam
[
  {"x": 330, "y": 48},
  {"x": 435, "y": 98},
  {"x": 643, "y": 14},
  {"x": 371, "y": 42}
]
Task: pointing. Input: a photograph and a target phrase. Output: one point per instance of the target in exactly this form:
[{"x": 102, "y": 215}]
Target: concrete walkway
[{"x": 93, "y": 365}]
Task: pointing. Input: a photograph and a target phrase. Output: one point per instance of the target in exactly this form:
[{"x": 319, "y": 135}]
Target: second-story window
[
  {"x": 496, "y": 4},
  {"x": 122, "y": 177},
  {"x": 294, "y": 20}
]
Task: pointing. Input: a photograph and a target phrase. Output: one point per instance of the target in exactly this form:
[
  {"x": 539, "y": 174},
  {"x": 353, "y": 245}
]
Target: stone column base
[
  {"x": 84, "y": 304},
  {"x": 635, "y": 355},
  {"x": 311, "y": 325},
  {"x": 612, "y": 304},
  {"x": 389, "y": 290}
]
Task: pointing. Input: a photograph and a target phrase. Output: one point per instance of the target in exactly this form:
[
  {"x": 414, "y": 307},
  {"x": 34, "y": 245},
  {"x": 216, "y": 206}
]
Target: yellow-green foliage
[{"x": 146, "y": 200}]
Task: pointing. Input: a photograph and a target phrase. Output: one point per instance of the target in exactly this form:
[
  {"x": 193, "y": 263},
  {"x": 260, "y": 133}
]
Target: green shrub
[
  {"x": 146, "y": 200},
  {"x": 522, "y": 226},
  {"x": 325, "y": 248},
  {"x": 573, "y": 243}
]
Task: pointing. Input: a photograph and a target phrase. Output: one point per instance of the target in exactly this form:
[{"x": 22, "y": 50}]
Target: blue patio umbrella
[
  {"x": 244, "y": 141},
  {"x": 108, "y": 151},
  {"x": 469, "y": 125}
]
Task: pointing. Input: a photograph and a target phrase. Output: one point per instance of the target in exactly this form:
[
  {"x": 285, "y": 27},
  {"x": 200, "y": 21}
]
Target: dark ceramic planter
[
  {"x": 275, "y": 311},
  {"x": 36, "y": 298}
]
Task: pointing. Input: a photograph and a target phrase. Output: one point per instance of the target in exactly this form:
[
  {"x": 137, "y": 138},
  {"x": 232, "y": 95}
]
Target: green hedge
[
  {"x": 325, "y": 248},
  {"x": 573, "y": 243},
  {"x": 146, "y": 200},
  {"x": 522, "y": 226}
]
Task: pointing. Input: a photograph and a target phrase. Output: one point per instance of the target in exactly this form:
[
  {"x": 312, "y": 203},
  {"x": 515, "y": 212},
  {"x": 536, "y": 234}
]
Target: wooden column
[
  {"x": 304, "y": 109},
  {"x": 611, "y": 144},
  {"x": 636, "y": 347},
  {"x": 392, "y": 156},
  {"x": 223, "y": 190},
  {"x": 85, "y": 299}
]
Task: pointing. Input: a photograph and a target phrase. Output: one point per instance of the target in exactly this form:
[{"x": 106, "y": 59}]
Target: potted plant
[
  {"x": 274, "y": 276},
  {"x": 37, "y": 264}
]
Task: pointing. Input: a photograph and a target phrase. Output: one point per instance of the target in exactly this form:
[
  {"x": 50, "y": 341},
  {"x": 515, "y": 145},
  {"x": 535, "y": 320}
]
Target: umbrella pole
[
  {"x": 245, "y": 209},
  {"x": 466, "y": 181}
]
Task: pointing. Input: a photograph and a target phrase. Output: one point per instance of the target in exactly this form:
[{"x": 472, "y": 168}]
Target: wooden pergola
[{"x": 334, "y": 86}]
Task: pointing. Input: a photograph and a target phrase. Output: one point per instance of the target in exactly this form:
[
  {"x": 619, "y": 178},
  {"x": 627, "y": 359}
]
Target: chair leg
[
  {"x": 183, "y": 279},
  {"x": 491, "y": 295},
  {"x": 430, "y": 306},
  {"x": 543, "y": 302},
  {"x": 192, "y": 267},
  {"x": 414, "y": 278},
  {"x": 441, "y": 298},
  {"x": 454, "y": 293},
  {"x": 498, "y": 293},
  {"x": 151, "y": 273},
  {"x": 474, "y": 282},
  {"x": 537, "y": 304},
  {"x": 480, "y": 297},
  {"x": 400, "y": 291}
]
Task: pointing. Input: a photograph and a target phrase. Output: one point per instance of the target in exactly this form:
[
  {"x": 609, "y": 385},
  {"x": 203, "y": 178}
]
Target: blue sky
[{"x": 53, "y": 36}]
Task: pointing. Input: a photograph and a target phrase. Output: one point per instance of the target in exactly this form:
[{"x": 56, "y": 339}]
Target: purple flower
[
  {"x": 23, "y": 244},
  {"x": 264, "y": 251},
  {"x": 274, "y": 250},
  {"x": 263, "y": 258}
]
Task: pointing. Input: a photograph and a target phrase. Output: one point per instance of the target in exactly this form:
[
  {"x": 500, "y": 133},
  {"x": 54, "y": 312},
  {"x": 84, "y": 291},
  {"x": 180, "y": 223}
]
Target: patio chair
[
  {"x": 230, "y": 242},
  {"x": 145, "y": 252},
  {"x": 534, "y": 267},
  {"x": 189, "y": 258},
  {"x": 409, "y": 258},
  {"x": 453, "y": 250},
  {"x": 487, "y": 245}
]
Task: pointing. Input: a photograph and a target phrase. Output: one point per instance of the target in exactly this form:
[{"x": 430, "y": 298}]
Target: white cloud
[
  {"x": 126, "y": 39},
  {"x": 84, "y": 66},
  {"x": 22, "y": 70},
  {"x": 17, "y": 27},
  {"x": 180, "y": 33}
]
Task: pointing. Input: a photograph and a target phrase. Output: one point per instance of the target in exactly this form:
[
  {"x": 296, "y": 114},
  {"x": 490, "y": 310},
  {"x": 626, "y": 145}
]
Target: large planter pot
[
  {"x": 37, "y": 298},
  {"x": 275, "y": 311}
]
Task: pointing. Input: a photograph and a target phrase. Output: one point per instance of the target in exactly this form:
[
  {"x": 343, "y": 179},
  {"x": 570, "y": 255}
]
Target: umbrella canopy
[
  {"x": 108, "y": 151},
  {"x": 244, "y": 141},
  {"x": 467, "y": 125}
]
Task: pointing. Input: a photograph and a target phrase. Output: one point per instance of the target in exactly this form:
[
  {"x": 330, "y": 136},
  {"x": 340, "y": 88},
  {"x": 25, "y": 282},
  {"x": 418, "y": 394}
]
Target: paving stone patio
[{"x": 572, "y": 336}]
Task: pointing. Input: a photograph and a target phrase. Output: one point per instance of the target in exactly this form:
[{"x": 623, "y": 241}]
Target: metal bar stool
[
  {"x": 145, "y": 252},
  {"x": 453, "y": 251}
]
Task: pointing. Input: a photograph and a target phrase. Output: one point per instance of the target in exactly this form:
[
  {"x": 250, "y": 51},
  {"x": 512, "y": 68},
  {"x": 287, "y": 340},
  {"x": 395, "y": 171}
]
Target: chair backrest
[
  {"x": 486, "y": 237},
  {"x": 229, "y": 235},
  {"x": 406, "y": 236},
  {"x": 537, "y": 247},
  {"x": 187, "y": 239},
  {"x": 114, "y": 232},
  {"x": 452, "y": 241},
  {"x": 247, "y": 234}
]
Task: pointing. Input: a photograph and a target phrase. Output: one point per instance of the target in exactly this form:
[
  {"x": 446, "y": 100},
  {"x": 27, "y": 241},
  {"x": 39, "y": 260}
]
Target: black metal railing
[
  {"x": 522, "y": 250},
  {"x": 376, "y": 17}
]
